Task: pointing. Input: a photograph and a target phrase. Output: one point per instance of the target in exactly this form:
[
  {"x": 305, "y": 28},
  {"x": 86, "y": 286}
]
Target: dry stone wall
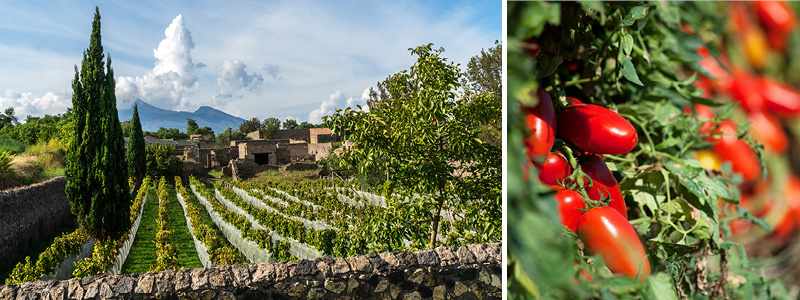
[
  {"x": 28, "y": 214},
  {"x": 467, "y": 272}
]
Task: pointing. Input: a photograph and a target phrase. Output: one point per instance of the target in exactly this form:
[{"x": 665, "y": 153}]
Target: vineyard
[{"x": 194, "y": 224}]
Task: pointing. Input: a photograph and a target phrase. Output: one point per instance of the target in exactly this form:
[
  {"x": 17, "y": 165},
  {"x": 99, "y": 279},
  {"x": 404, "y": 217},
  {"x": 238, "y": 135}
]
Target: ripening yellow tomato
[{"x": 709, "y": 160}]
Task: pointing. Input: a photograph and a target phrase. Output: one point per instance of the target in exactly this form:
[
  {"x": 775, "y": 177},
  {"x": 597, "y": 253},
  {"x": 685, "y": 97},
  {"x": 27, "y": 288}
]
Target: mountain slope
[{"x": 153, "y": 117}]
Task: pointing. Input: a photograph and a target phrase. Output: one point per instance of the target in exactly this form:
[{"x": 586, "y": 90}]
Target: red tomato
[
  {"x": 541, "y": 122},
  {"x": 777, "y": 40},
  {"x": 604, "y": 185},
  {"x": 575, "y": 100},
  {"x": 572, "y": 66},
  {"x": 704, "y": 112},
  {"x": 596, "y": 129},
  {"x": 721, "y": 79},
  {"x": 745, "y": 90},
  {"x": 569, "y": 203},
  {"x": 604, "y": 231},
  {"x": 768, "y": 131},
  {"x": 554, "y": 169},
  {"x": 776, "y": 15},
  {"x": 704, "y": 84},
  {"x": 744, "y": 159},
  {"x": 779, "y": 98},
  {"x": 531, "y": 47}
]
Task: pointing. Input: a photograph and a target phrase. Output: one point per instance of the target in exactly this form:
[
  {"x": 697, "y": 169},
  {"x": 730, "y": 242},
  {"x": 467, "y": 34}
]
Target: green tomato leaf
[
  {"x": 627, "y": 43},
  {"x": 629, "y": 72},
  {"x": 659, "y": 287}
]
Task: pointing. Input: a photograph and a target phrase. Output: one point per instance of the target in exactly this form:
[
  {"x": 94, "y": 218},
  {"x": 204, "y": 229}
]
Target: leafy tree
[
  {"x": 137, "y": 164},
  {"x": 289, "y": 124},
  {"x": 484, "y": 77},
  {"x": 126, "y": 127},
  {"x": 8, "y": 118},
  {"x": 269, "y": 126},
  {"x": 305, "y": 125},
  {"x": 485, "y": 72},
  {"x": 224, "y": 138},
  {"x": 96, "y": 171},
  {"x": 161, "y": 161},
  {"x": 171, "y": 133},
  {"x": 192, "y": 126},
  {"x": 249, "y": 126},
  {"x": 426, "y": 131}
]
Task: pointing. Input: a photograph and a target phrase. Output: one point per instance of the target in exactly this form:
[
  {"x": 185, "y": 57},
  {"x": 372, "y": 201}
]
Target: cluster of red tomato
[
  {"x": 766, "y": 102},
  {"x": 601, "y": 220}
]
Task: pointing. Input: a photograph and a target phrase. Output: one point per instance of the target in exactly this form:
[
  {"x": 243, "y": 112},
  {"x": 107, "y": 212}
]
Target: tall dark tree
[
  {"x": 96, "y": 169},
  {"x": 137, "y": 164}
]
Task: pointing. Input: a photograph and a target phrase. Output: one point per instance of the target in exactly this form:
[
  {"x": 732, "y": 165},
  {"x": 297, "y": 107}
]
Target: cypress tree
[
  {"x": 137, "y": 161},
  {"x": 96, "y": 170}
]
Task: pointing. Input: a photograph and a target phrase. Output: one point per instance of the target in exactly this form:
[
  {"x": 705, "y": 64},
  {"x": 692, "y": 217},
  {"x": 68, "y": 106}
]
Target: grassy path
[{"x": 143, "y": 251}]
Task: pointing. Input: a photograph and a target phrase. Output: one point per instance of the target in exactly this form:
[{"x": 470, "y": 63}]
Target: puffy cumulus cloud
[
  {"x": 171, "y": 80},
  {"x": 25, "y": 104},
  {"x": 338, "y": 100},
  {"x": 232, "y": 76}
]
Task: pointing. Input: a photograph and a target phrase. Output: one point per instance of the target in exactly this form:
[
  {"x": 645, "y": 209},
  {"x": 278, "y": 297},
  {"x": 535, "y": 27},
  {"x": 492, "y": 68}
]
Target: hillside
[{"x": 153, "y": 117}]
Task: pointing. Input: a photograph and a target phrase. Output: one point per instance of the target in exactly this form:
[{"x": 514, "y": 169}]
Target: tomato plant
[{"x": 650, "y": 76}]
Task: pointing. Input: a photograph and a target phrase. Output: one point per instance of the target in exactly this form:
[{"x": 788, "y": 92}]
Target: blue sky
[{"x": 299, "y": 59}]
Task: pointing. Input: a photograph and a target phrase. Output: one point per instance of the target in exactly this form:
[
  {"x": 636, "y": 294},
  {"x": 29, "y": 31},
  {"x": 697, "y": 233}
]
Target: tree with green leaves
[
  {"x": 426, "y": 131},
  {"x": 484, "y": 75},
  {"x": 250, "y": 125},
  {"x": 269, "y": 126},
  {"x": 97, "y": 175},
  {"x": 137, "y": 164},
  {"x": 290, "y": 124}
]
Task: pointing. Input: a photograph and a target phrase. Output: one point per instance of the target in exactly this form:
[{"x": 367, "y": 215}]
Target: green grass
[
  {"x": 181, "y": 238},
  {"x": 143, "y": 251},
  {"x": 215, "y": 173},
  {"x": 7, "y": 144}
]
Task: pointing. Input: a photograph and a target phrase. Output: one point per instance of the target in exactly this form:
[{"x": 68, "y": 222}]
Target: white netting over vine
[
  {"x": 318, "y": 225},
  {"x": 122, "y": 252},
  {"x": 250, "y": 249},
  {"x": 296, "y": 248},
  {"x": 64, "y": 271}
]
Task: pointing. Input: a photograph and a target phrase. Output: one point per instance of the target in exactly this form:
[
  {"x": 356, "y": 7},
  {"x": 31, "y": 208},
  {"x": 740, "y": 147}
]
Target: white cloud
[
  {"x": 29, "y": 104},
  {"x": 171, "y": 80},
  {"x": 273, "y": 71},
  {"x": 231, "y": 77},
  {"x": 338, "y": 100}
]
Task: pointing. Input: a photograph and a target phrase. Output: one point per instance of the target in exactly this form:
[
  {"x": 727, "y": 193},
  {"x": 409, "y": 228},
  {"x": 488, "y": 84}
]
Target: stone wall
[
  {"x": 29, "y": 214},
  {"x": 223, "y": 155},
  {"x": 468, "y": 272},
  {"x": 294, "y": 134},
  {"x": 243, "y": 168},
  {"x": 319, "y": 151},
  {"x": 296, "y": 151}
]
